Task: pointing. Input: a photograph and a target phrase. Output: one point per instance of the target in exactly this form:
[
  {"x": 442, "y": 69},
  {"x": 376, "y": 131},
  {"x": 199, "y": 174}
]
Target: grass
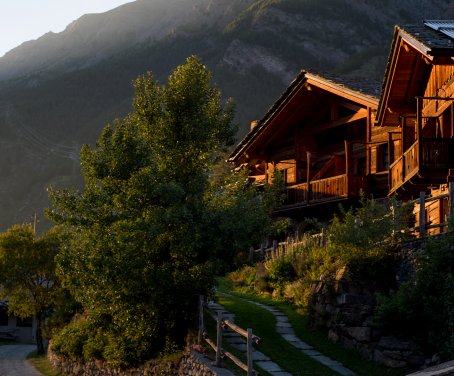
[
  {"x": 42, "y": 364},
  {"x": 274, "y": 346},
  {"x": 298, "y": 318}
]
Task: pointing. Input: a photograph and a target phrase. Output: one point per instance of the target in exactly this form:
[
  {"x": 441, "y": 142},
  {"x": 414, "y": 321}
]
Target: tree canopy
[
  {"x": 145, "y": 230},
  {"x": 27, "y": 272}
]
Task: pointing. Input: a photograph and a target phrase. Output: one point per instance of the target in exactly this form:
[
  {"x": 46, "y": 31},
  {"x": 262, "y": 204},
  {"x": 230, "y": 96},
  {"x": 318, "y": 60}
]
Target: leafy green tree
[
  {"x": 27, "y": 273},
  {"x": 144, "y": 231}
]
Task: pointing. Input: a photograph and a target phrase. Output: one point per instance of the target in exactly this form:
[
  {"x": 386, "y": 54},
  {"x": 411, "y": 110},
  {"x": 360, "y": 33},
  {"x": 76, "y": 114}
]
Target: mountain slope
[{"x": 57, "y": 92}]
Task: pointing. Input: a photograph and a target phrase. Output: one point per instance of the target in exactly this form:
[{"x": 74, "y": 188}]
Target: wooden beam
[
  {"x": 351, "y": 106},
  {"x": 317, "y": 128},
  {"x": 422, "y": 214},
  {"x": 347, "y": 164},
  {"x": 308, "y": 175}
]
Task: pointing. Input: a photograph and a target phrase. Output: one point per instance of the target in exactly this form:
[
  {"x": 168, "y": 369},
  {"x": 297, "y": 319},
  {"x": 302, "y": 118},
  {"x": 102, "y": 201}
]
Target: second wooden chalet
[
  {"x": 316, "y": 135},
  {"x": 416, "y": 112},
  {"x": 416, "y": 115}
]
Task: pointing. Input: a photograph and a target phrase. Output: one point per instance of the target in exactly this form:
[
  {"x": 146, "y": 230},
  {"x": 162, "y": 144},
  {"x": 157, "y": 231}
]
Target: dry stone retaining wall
[{"x": 191, "y": 364}]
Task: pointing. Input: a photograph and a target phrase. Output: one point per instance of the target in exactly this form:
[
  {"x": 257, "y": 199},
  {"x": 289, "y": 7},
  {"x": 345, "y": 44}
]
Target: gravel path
[{"x": 13, "y": 363}]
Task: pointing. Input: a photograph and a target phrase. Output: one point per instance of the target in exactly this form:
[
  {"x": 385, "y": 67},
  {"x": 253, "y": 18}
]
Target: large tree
[
  {"x": 146, "y": 228},
  {"x": 27, "y": 273}
]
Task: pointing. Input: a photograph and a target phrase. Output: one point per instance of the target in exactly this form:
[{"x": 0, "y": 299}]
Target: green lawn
[
  {"x": 42, "y": 364},
  {"x": 273, "y": 345},
  {"x": 285, "y": 354}
]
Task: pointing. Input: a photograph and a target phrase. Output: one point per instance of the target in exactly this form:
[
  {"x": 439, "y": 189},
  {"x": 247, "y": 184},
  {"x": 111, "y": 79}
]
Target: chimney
[{"x": 254, "y": 123}]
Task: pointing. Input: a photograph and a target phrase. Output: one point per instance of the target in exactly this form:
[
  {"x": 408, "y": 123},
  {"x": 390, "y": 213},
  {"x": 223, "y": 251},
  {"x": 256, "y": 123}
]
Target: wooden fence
[
  {"x": 423, "y": 199},
  {"x": 274, "y": 249},
  {"x": 221, "y": 325}
]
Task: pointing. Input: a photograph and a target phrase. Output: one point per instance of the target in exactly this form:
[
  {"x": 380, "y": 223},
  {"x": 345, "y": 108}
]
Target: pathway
[
  {"x": 239, "y": 342},
  {"x": 284, "y": 328},
  {"x": 13, "y": 363}
]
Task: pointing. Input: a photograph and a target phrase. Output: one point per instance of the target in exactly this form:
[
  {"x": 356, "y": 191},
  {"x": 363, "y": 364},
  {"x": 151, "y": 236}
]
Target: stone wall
[
  {"x": 190, "y": 364},
  {"x": 347, "y": 313}
]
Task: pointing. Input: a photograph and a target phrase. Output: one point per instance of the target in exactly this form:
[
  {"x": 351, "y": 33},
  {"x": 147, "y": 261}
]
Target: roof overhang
[{"x": 293, "y": 97}]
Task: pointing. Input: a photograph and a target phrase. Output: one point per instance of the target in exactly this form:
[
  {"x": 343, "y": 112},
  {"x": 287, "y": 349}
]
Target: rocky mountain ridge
[{"x": 56, "y": 93}]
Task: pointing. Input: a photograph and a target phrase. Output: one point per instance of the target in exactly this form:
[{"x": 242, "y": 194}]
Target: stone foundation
[
  {"x": 348, "y": 315},
  {"x": 191, "y": 364}
]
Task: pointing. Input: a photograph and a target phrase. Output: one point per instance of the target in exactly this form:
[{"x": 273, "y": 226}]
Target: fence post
[
  {"x": 451, "y": 199},
  {"x": 201, "y": 319},
  {"x": 219, "y": 339},
  {"x": 422, "y": 214},
  {"x": 251, "y": 254},
  {"x": 250, "y": 366},
  {"x": 394, "y": 214}
]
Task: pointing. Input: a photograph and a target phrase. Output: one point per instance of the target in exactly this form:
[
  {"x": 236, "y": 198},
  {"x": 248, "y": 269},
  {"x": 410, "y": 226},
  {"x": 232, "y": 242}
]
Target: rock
[
  {"x": 353, "y": 299},
  {"x": 415, "y": 360},
  {"x": 361, "y": 334},
  {"x": 436, "y": 359},
  {"x": 333, "y": 336},
  {"x": 385, "y": 359},
  {"x": 393, "y": 343}
]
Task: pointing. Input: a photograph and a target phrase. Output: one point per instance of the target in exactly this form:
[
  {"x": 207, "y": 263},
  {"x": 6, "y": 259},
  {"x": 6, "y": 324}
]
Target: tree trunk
[{"x": 39, "y": 334}]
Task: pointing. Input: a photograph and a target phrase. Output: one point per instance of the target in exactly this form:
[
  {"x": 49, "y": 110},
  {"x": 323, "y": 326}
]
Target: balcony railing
[
  {"x": 325, "y": 190},
  {"x": 431, "y": 158}
]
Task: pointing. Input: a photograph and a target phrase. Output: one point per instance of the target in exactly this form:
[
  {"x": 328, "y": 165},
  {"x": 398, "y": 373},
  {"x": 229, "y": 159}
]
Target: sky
[{"x": 24, "y": 20}]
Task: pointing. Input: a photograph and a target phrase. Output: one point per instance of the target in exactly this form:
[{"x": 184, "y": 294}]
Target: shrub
[
  {"x": 280, "y": 271},
  {"x": 70, "y": 340},
  {"x": 423, "y": 308}
]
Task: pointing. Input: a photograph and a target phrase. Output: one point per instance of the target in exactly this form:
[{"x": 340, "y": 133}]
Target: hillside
[{"x": 56, "y": 93}]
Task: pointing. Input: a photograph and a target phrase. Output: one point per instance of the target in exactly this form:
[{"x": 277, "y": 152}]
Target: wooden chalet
[
  {"x": 315, "y": 134},
  {"x": 416, "y": 114}
]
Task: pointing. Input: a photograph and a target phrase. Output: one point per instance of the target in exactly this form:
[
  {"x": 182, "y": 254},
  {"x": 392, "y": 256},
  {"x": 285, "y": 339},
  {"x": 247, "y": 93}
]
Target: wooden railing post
[
  {"x": 347, "y": 165},
  {"x": 422, "y": 214},
  {"x": 308, "y": 177},
  {"x": 250, "y": 365},
  {"x": 219, "y": 340},
  {"x": 419, "y": 104},
  {"x": 451, "y": 200}
]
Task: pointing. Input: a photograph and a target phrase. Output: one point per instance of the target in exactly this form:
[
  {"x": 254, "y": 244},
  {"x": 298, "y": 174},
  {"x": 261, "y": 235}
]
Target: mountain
[{"x": 56, "y": 93}]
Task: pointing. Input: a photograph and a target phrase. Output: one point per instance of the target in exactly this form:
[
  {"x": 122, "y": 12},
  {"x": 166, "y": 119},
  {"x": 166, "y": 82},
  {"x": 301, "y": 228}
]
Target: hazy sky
[{"x": 23, "y": 20}]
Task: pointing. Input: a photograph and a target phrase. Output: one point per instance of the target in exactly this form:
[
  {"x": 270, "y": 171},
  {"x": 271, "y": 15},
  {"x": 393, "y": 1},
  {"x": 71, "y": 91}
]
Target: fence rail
[{"x": 221, "y": 325}]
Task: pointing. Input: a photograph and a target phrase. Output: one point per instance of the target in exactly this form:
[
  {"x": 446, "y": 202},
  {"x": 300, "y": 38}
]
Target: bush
[
  {"x": 423, "y": 308},
  {"x": 70, "y": 340},
  {"x": 374, "y": 273}
]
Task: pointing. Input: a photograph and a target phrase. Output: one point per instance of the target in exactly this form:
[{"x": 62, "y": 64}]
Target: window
[{"x": 3, "y": 316}]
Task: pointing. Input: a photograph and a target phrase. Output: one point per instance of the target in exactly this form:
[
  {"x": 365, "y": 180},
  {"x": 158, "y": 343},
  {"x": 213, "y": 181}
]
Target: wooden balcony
[
  {"x": 324, "y": 190},
  {"x": 425, "y": 162}
]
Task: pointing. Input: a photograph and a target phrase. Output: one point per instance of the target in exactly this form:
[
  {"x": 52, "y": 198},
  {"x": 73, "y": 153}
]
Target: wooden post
[
  {"x": 250, "y": 365},
  {"x": 451, "y": 201},
  {"x": 201, "y": 319},
  {"x": 347, "y": 164},
  {"x": 251, "y": 254},
  {"x": 219, "y": 340},
  {"x": 422, "y": 214},
  {"x": 394, "y": 213},
  {"x": 419, "y": 104},
  {"x": 308, "y": 176},
  {"x": 452, "y": 120}
]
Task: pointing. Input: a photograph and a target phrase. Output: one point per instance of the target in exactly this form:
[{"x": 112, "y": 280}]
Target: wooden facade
[
  {"x": 330, "y": 140},
  {"x": 416, "y": 110},
  {"x": 315, "y": 135}
]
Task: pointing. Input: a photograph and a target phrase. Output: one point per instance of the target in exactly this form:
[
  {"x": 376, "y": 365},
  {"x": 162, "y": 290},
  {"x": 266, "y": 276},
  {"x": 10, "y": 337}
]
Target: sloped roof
[
  {"x": 362, "y": 89},
  {"x": 432, "y": 38}
]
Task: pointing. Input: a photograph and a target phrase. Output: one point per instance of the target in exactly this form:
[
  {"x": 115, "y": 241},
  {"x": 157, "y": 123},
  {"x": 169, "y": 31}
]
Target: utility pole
[{"x": 35, "y": 221}]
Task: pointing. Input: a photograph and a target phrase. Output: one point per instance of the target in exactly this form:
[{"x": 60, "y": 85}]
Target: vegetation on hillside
[{"x": 362, "y": 245}]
